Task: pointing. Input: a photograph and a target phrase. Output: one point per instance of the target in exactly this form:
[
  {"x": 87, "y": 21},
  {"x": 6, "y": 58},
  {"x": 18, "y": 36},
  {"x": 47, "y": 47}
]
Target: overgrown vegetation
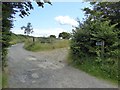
[
  {"x": 64, "y": 35},
  {"x": 42, "y": 44},
  {"x": 103, "y": 70},
  {"x": 17, "y": 39},
  {"x": 4, "y": 79},
  {"x": 100, "y": 26}
]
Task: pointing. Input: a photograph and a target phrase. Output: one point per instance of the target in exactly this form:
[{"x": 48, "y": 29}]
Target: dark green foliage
[
  {"x": 52, "y": 36},
  {"x": 6, "y": 25},
  {"x": 101, "y": 25},
  {"x": 64, "y": 35},
  {"x": 105, "y": 11},
  {"x": 84, "y": 44}
]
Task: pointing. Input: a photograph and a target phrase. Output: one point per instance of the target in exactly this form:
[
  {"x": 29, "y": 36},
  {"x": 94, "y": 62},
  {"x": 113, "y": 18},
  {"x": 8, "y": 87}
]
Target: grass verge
[
  {"x": 0, "y": 80},
  {"x": 96, "y": 70},
  {"x": 38, "y": 46},
  {"x": 3, "y": 79}
]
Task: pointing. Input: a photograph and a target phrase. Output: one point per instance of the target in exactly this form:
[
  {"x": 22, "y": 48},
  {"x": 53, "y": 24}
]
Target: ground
[{"x": 47, "y": 69}]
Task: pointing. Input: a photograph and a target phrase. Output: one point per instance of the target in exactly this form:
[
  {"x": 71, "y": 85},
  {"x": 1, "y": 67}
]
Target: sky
[{"x": 51, "y": 20}]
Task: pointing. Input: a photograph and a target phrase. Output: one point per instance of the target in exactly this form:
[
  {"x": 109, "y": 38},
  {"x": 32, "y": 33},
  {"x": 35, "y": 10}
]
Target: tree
[
  {"x": 52, "y": 36},
  {"x": 85, "y": 38},
  {"x": 7, "y": 23},
  {"x": 28, "y": 30},
  {"x": 105, "y": 11},
  {"x": 9, "y": 9},
  {"x": 85, "y": 51},
  {"x": 101, "y": 24},
  {"x": 65, "y": 35}
]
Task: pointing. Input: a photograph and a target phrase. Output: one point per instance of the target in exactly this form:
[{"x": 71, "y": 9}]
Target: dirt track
[{"x": 47, "y": 69}]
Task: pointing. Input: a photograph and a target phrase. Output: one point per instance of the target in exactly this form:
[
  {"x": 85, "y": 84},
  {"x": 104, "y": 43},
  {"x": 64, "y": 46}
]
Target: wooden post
[{"x": 33, "y": 39}]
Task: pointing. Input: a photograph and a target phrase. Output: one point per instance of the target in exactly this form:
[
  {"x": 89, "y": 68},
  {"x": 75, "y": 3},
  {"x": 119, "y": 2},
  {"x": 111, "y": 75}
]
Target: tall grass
[
  {"x": 17, "y": 39},
  {"x": 106, "y": 71},
  {"x": 0, "y": 80},
  {"x": 3, "y": 79},
  {"x": 38, "y": 46}
]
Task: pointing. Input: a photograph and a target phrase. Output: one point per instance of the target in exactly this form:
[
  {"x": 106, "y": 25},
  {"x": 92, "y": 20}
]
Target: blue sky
[{"x": 59, "y": 17}]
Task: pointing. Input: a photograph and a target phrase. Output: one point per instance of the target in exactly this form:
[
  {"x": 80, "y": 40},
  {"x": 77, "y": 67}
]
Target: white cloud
[
  {"x": 41, "y": 32},
  {"x": 66, "y": 20}
]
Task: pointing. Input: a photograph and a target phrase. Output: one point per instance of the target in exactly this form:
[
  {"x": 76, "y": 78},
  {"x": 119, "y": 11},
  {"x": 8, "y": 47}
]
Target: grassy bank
[
  {"x": 38, "y": 46},
  {"x": 104, "y": 71},
  {"x": 17, "y": 39},
  {"x": 40, "y": 43},
  {"x": 0, "y": 80},
  {"x": 3, "y": 79}
]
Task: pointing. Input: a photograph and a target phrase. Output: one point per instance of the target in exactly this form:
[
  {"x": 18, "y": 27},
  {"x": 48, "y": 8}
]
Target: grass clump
[{"x": 38, "y": 46}]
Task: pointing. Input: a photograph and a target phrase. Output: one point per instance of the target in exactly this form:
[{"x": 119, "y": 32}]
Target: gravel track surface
[{"x": 47, "y": 69}]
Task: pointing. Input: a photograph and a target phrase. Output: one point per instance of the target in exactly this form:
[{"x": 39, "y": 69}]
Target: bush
[{"x": 83, "y": 47}]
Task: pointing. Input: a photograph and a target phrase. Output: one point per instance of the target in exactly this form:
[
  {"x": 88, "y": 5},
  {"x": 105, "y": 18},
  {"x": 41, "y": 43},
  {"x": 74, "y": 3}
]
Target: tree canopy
[
  {"x": 52, "y": 36},
  {"x": 105, "y": 11},
  {"x": 64, "y": 35},
  {"x": 28, "y": 29}
]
